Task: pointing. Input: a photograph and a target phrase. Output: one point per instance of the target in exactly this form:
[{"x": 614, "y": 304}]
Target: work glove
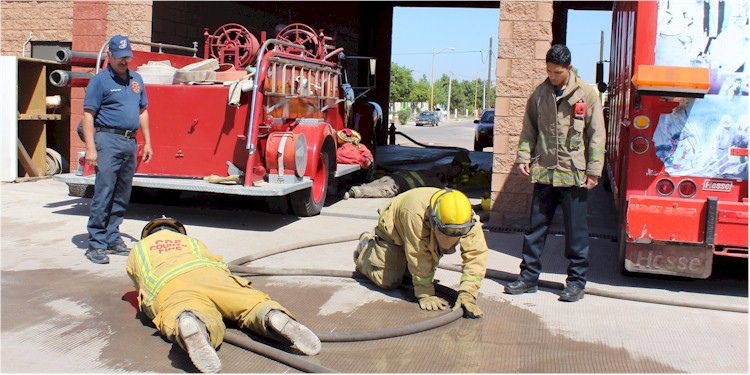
[
  {"x": 469, "y": 304},
  {"x": 433, "y": 303}
]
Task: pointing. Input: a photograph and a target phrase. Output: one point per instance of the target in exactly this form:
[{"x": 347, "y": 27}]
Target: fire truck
[
  {"x": 253, "y": 117},
  {"x": 677, "y": 146}
]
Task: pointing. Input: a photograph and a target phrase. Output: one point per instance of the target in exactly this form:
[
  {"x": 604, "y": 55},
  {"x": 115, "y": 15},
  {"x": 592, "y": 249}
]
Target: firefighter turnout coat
[
  {"x": 404, "y": 241},
  {"x": 566, "y": 135}
]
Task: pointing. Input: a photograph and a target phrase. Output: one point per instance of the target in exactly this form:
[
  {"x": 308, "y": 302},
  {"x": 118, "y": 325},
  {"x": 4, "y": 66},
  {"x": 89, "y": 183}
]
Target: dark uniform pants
[
  {"x": 114, "y": 178},
  {"x": 543, "y": 205}
]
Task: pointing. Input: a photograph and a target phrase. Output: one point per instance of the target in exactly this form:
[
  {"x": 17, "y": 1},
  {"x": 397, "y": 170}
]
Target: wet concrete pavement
[{"x": 62, "y": 314}]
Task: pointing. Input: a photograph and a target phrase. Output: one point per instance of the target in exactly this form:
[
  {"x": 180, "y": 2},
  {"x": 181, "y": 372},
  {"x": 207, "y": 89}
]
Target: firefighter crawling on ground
[
  {"x": 414, "y": 231},
  {"x": 188, "y": 292},
  {"x": 459, "y": 172}
]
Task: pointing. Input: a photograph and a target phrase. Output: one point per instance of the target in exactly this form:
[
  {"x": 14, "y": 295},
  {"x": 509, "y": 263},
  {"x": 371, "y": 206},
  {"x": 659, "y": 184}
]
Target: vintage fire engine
[
  {"x": 267, "y": 128},
  {"x": 677, "y": 156}
]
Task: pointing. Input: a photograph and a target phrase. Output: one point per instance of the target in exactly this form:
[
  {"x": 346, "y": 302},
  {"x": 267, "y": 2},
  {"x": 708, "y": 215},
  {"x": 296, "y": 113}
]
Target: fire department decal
[
  {"x": 136, "y": 87},
  {"x": 723, "y": 186}
]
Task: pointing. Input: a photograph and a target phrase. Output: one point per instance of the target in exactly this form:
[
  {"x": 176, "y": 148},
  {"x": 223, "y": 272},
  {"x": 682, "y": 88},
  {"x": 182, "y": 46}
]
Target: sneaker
[
  {"x": 119, "y": 249},
  {"x": 349, "y": 193},
  {"x": 194, "y": 339},
  {"x": 300, "y": 336},
  {"x": 571, "y": 293},
  {"x": 97, "y": 256},
  {"x": 520, "y": 287}
]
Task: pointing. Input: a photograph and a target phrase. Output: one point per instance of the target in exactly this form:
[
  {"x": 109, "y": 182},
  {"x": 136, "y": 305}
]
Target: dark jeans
[
  {"x": 114, "y": 178},
  {"x": 543, "y": 205}
]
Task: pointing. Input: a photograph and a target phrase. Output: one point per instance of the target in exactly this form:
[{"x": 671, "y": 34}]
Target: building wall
[
  {"x": 87, "y": 24},
  {"x": 524, "y": 37},
  {"x": 47, "y": 20}
]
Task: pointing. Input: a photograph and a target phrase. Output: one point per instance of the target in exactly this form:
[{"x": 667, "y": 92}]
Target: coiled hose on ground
[{"x": 239, "y": 267}]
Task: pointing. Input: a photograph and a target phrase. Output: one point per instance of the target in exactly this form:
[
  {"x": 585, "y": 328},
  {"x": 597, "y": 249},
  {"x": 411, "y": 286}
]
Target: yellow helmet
[
  {"x": 451, "y": 212},
  {"x": 347, "y": 135},
  {"x": 162, "y": 223}
]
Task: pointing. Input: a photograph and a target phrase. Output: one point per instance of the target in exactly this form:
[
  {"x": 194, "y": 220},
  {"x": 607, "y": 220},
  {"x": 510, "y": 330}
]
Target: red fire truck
[
  {"x": 267, "y": 128},
  {"x": 677, "y": 147}
]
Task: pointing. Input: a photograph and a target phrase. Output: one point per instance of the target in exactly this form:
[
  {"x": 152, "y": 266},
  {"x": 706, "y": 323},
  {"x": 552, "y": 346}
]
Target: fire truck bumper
[
  {"x": 694, "y": 261},
  {"x": 188, "y": 184}
]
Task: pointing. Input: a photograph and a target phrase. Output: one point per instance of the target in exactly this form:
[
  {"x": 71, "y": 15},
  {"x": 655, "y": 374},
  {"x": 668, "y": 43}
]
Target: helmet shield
[{"x": 451, "y": 213}]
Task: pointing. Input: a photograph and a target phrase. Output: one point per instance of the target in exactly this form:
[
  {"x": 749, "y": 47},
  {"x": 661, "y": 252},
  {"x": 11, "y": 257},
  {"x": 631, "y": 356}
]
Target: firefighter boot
[
  {"x": 291, "y": 331},
  {"x": 193, "y": 337}
]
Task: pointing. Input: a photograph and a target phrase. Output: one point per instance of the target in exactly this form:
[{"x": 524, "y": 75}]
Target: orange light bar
[{"x": 672, "y": 79}]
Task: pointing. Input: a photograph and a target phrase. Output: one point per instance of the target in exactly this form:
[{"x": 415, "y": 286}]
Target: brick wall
[
  {"x": 525, "y": 35},
  {"x": 48, "y": 20}
]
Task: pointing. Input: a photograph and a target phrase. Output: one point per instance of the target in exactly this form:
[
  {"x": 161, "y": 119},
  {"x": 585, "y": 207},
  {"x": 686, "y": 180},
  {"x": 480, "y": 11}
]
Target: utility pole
[{"x": 489, "y": 70}]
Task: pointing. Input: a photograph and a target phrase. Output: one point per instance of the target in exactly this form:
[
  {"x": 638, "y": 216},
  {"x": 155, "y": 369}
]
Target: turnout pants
[
  {"x": 383, "y": 262},
  {"x": 212, "y": 294},
  {"x": 384, "y": 187},
  {"x": 543, "y": 205}
]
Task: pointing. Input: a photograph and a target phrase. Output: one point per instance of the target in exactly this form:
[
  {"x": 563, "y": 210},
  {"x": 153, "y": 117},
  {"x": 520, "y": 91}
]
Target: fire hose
[{"x": 238, "y": 266}]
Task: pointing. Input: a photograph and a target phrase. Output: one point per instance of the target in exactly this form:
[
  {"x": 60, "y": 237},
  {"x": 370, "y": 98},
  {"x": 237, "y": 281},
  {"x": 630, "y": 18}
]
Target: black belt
[{"x": 126, "y": 133}]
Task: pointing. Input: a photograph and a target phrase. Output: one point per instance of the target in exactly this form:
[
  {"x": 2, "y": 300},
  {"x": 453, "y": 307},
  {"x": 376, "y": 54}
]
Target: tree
[
  {"x": 401, "y": 83},
  {"x": 421, "y": 90}
]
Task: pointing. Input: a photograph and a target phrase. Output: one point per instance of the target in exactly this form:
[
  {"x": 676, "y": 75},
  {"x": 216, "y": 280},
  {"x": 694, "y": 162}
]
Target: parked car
[
  {"x": 428, "y": 118},
  {"x": 485, "y": 130}
]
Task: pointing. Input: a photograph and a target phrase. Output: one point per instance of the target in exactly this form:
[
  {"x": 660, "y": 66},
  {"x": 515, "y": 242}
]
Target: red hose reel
[{"x": 232, "y": 44}]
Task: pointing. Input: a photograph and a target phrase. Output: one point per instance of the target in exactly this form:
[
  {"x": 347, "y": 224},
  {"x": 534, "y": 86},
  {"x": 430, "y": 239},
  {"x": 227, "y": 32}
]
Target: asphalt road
[{"x": 449, "y": 133}]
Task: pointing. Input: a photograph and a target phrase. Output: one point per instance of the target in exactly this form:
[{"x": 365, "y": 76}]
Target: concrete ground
[{"x": 61, "y": 313}]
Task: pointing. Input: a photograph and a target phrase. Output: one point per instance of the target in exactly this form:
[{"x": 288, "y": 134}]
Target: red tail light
[
  {"x": 665, "y": 187},
  {"x": 687, "y": 188},
  {"x": 639, "y": 144}
]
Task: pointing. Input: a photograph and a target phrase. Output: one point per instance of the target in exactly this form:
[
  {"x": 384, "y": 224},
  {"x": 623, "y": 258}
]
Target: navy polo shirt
[{"x": 117, "y": 103}]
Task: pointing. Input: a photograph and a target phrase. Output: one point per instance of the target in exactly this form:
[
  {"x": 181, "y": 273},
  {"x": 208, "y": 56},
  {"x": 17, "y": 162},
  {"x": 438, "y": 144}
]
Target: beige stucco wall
[
  {"x": 131, "y": 18},
  {"x": 47, "y": 20},
  {"x": 524, "y": 36}
]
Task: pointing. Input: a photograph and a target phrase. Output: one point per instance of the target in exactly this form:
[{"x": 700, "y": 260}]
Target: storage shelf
[{"x": 27, "y": 116}]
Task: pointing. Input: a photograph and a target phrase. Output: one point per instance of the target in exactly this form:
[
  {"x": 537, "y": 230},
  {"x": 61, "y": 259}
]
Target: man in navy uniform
[{"x": 114, "y": 109}]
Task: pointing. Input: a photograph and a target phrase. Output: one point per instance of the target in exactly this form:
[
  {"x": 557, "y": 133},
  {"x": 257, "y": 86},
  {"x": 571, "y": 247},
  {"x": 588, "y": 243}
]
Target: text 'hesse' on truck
[
  {"x": 677, "y": 147},
  {"x": 257, "y": 116}
]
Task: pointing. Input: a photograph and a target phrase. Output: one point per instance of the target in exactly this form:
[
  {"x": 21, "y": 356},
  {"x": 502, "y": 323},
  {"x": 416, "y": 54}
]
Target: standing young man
[
  {"x": 562, "y": 149},
  {"x": 114, "y": 109}
]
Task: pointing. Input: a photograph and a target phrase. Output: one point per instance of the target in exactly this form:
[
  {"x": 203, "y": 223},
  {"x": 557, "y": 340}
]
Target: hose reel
[
  {"x": 233, "y": 44},
  {"x": 299, "y": 33}
]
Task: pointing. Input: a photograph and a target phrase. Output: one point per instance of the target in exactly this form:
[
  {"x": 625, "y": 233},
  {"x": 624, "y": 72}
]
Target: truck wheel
[
  {"x": 477, "y": 146},
  {"x": 278, "y": 205},
  {"x": 309, "y": 202},
  {"x": 81, "y": 190}
]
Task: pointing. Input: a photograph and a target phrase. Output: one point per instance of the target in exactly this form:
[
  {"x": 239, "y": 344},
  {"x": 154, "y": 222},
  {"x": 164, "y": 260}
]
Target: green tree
[
  {"x": 421, "y": 90},
  {"x": 401, "y": 83}
]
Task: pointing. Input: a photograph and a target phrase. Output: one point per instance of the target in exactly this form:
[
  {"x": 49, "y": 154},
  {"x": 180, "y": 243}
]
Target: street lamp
[{"x": 432, "y": 84}]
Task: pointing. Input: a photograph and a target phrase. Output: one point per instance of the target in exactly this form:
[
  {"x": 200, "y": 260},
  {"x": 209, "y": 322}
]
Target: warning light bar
[{"x": 672, "y": 81}]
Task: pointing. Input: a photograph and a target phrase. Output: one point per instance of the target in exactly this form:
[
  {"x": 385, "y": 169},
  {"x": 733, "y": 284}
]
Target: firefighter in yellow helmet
[
  {"x": 188, "y": 292},
  {"x": 415, "y": 229}
]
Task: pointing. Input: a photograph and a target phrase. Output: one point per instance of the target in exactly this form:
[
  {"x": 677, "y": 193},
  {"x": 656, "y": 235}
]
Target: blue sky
[{"x": 420, "y": 32}]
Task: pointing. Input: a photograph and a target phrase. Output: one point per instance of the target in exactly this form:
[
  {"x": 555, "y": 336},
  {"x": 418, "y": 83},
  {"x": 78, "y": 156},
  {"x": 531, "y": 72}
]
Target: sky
[{"x": 418, "y": 33}]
